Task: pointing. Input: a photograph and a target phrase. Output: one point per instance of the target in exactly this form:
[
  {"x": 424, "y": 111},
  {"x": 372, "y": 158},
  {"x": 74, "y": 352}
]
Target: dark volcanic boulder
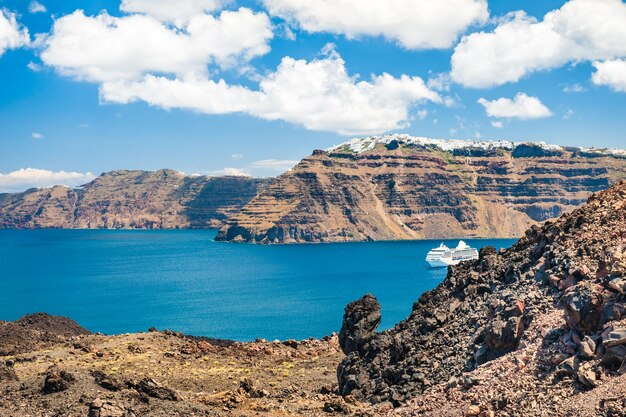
[
  {"x": 583, "y": 307},
  {"x": 152, "y": 388},
  {"x": 360, "y": 320},
  {"x": 56, "y": 381},
  {"x": 106, "y": 381}
]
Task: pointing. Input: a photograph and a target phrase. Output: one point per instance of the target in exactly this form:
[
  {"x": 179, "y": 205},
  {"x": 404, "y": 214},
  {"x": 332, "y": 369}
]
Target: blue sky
[{"x": 58, "y": 113}]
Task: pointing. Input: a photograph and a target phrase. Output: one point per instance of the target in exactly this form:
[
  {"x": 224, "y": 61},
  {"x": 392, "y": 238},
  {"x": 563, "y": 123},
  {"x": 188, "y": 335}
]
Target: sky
[{"x": 219, "y": 87}]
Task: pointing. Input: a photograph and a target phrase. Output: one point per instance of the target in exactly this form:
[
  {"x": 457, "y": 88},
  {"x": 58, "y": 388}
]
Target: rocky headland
[
  {"x": 535, "y": 330},
  {"x": 401, "y": 187},
  {"x": 163, "y": 199}
]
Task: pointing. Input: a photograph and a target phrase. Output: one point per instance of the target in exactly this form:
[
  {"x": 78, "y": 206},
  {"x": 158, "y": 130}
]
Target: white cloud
[
  {"x": 34, "y": 67},
  {"x": 415, "y": 24},
  {"x": 104, "y": 48},
  {"x": 179, "y": 11},
  {"x": 25, "y": 178},
  {"x": 275, "y": 164},
  {"x": 12, "y": 34},
  {"x": 497, "y": 124},
  {"x": 574, "y": 88},
  {"x": 237, "y": 156},
  {"x": 36, "y": 135},
  {"x": 581, "y": 30},
  {"x": 319, "y": 95},
  {"x": 230, "y": 171},
  {"x": 36, "y": 7},
  {"x": 611, "y": 74},
  {"x": 440, "y": 82},
  {"x": 522, "y": 107},
  {"x": 568, "y": 114}
]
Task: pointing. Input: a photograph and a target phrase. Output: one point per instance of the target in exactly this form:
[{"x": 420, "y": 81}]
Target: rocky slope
[
  {"x": 162, "y": 199},
  {"x": 65, "y": 371},
  {"x": 535, "y": 330},
  {"x": 400, "y": 187}
]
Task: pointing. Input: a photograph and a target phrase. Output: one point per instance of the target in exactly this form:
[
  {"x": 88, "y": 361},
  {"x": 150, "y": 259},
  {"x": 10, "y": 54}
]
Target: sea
[{"x": 122, "y": 281}]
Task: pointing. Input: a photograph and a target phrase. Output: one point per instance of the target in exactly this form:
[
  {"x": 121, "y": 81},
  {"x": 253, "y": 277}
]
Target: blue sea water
[{"x": 127, "y": 281}]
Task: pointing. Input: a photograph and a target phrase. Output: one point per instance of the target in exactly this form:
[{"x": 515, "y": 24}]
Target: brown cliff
[
  {"x": 163, "y": 199},
  {"x": 398, "y": 187}
]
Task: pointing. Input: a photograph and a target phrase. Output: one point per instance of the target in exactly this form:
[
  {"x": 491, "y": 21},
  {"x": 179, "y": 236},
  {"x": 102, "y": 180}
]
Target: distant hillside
[
  {"x": 402, "y": 187},
  {"x": 163, "y": 199}
]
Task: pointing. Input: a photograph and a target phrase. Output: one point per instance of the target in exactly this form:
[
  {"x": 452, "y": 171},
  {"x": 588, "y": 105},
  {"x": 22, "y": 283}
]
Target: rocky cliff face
[
  {"x": 399, "y": 187},
  {"x": 163, "y": 199},
  {"x": 531, "y": 330}
]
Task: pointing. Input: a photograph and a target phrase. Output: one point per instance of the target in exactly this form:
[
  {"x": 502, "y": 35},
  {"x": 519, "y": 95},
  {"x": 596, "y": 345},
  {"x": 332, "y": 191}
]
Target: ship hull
[{"x": 441, "y": 263}]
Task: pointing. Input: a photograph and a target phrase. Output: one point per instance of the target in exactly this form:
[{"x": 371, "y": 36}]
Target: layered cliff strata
[
  {"x": 401, "y": 187},
  {"x": 162, "y": 199},
  {"x": 538, "y": 329}
]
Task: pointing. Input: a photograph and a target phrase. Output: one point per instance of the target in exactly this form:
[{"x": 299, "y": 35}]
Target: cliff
[
  {"x": 163, "y": 199},
  {"x": 401, "y": 187},
  {"x": 537, "y": 329}
]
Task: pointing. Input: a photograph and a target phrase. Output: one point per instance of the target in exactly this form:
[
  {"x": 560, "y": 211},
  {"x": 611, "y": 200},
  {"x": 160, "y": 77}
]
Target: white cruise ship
[{"x": 443, "y": 256}]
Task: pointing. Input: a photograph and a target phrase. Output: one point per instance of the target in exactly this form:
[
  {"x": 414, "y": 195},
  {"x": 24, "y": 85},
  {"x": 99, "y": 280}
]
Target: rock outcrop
[
  {"x": 36, "y": 330},
  {"x": 163, "y": 199},
  {"x": 546, "y": 317},
  {"x": 399, "y": 187}
]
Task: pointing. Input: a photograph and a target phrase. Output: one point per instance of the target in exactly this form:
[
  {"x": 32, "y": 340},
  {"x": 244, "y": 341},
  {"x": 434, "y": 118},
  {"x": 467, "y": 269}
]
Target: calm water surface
[{"x": 127, "y": 281}]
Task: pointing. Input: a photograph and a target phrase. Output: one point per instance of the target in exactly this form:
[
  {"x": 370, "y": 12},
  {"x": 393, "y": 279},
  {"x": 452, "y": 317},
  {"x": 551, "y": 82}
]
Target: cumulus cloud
[
  {"x": 36, "y": 135},
  {"x": 275, "y": 164},
  {"x": 522, "y": 107},
  {"x": 611, "y": 74},
  {"x": 178, "y": 12},
  {"x": 33, "y": 66},
  {"x": 497, "y": 124},
  {"x": 138, "y": 57},
  {"x": 581, "y": 30},
  {"x": 36, "y": 7},
  {"x": 231, "y": 172},
  {"x": 104, "y": 48},
  {"x": 317, "y": 94},
  {"x": 415, "y": 24},
  {"x": 12, "y": 34},
  {"x": 574, "y": 88},
  {"x": 25, "y": 178}
]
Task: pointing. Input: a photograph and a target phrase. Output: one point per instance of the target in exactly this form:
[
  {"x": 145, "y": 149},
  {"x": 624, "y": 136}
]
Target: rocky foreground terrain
[
  {"x": 535, "y": 330},
  {"x": 401, "y": 187},
  {"x": 538, "y": 329},
  {"x": 51, "y": 367},
  {"x": 163, "y": 199}
]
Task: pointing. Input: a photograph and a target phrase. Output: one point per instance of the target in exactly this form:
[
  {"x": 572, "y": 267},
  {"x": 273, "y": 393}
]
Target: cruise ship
[{"x": 443, "y": 256}]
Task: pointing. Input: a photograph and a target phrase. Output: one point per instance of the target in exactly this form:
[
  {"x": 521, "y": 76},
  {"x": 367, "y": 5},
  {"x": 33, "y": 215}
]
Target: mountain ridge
[
  {"x": 132, "y": 199},
  {"x": 399, "y": 187}
]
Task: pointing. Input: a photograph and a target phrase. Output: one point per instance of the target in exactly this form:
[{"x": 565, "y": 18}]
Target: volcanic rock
[
  {"x": 106, "y": 381},
  {"x": 151, "y": 388},
  {"x": 494, "y": 302},
  {"x": 360, "y": 321},
  {"x": 56, "y": 381}
]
